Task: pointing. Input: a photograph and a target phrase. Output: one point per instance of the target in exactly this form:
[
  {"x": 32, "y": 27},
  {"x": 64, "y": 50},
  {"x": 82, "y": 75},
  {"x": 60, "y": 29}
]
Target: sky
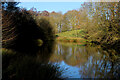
[
  {"x": 52, "y": 6},
  {"x": 67, "y": 0}
]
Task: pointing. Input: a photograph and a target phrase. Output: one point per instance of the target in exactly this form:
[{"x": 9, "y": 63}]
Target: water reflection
[
  {"x": 56, "y": 61},
  {"x": 45, "y": 52},
  {"x": 84, "y": 61},
  {"x": 18, "y": 66}
]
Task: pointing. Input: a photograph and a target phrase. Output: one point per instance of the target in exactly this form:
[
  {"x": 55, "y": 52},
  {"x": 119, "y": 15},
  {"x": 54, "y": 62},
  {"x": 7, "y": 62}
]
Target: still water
[
  {"x": 78, "y": 61},
  {"x": 54, "y": 61}
]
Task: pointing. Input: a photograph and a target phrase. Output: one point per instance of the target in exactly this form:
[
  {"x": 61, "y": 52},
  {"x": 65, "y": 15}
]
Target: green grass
[
  {"x": 75, "y": 36},
  {"x": 73, "y": 33}
]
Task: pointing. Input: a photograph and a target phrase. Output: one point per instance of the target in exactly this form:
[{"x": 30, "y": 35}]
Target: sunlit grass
[
  {"x": 73, "y": 33},
  {"x": 71, "y": 36}
]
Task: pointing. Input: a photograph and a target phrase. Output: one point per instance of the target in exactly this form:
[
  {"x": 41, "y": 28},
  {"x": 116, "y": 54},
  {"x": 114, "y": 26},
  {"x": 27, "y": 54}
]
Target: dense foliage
[
  {"x": 25, "y": 30},
  {"x": 21, "y": 31},
  {"x": 99, "y": 21},
  {"x": 22, "y": 37}
]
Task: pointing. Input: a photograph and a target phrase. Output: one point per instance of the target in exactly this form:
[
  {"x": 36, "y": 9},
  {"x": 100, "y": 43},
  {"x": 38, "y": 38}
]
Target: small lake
[
  {"x": 79, "y": 61},
  {"x": 61, "y": 60}
]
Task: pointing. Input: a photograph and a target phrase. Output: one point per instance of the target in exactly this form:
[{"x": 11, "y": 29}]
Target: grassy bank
[
  {"x": 74, "y": 33},
  {"x": 71, "y": 36},
  {"x": 71, "y": 39}
]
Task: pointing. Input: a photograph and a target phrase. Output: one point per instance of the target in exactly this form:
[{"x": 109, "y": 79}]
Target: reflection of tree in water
[
  {"x": 45, "y": 51},
  {"x": 26, "y": 67},
  {"x": 115, "y": 63},
  {"x": 74, "y": 56},
  {"x": 116, "y": 69},
  {"x": 100, "y": 67},
  {"x": 92, "y": 61},
  {"x": 94, "y": 68}
]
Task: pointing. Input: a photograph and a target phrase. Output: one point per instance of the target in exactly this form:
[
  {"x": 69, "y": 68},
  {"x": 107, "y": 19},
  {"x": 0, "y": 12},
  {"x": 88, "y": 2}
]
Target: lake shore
[{"x": 71, "y": 39}]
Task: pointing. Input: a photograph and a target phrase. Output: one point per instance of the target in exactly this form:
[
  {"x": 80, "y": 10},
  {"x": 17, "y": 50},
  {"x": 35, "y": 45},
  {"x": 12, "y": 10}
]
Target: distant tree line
[{"x": 99, "y": 21}]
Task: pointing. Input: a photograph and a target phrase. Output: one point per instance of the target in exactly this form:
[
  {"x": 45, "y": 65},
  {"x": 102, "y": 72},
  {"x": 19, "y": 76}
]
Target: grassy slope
[
  {"x": 73, "y": 33},
  {"x": 71, "y": 36}
]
